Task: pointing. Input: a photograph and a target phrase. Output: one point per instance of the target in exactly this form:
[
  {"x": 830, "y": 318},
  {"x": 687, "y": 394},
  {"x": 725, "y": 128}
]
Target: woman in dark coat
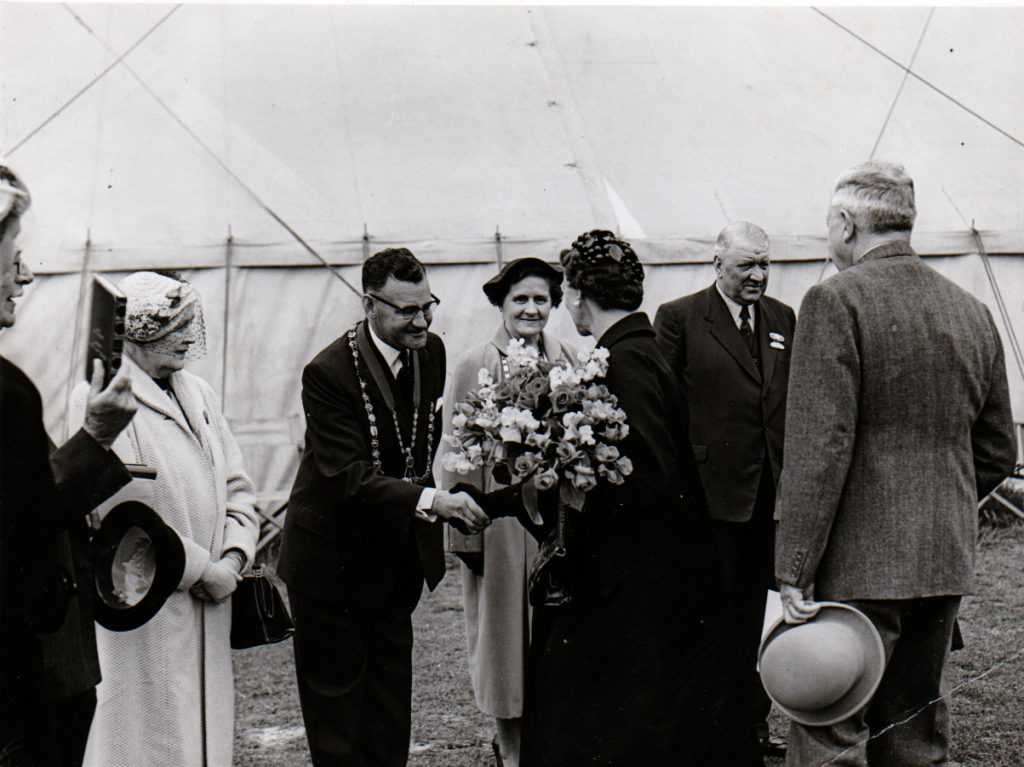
[{"x": 638, "y": 668}]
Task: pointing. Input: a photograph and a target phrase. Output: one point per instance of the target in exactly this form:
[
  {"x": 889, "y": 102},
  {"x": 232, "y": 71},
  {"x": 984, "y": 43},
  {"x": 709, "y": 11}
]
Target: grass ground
[{"x": 987, "y": 679}]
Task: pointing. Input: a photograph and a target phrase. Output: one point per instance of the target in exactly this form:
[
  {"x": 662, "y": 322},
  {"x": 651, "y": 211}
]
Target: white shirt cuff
[{"x": 424, "y": 503}]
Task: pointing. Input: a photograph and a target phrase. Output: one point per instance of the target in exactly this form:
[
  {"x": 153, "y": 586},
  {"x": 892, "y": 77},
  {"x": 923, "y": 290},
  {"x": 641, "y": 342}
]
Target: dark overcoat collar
[{"x": 636, "y": 323}]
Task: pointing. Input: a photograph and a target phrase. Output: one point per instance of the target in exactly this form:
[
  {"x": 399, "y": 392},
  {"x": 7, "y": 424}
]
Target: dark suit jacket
[
  {"x": 898, "y": 421},
  {"x": 44, "y": 533},
  {"x": 86, "y": 475},
  {"x": 351, "y": 534},
  {"x": 737, "y": 414},
  {"x": 31, "y": 592}
]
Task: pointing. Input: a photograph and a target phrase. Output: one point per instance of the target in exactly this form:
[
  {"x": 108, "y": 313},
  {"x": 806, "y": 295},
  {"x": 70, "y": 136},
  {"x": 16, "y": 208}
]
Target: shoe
[
  {"x": 497, "y": 753},
  {"x": 772, "y": 745}
]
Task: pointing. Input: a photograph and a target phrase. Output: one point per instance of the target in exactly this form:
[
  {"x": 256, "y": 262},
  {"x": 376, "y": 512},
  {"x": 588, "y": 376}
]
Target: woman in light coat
[
  {"x": 496, "y": 563},
  {"x": 167, "y": 695}
]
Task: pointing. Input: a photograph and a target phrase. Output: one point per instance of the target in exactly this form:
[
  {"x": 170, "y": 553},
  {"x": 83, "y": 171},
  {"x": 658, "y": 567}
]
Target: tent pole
[
  {"x": 1010, "y": 332},
  {"x": 366, "y": 242},
  {"x": 497, "y": 244},
  {"x": 83, "y": 287},
  {"x": 229, "y": 252}
]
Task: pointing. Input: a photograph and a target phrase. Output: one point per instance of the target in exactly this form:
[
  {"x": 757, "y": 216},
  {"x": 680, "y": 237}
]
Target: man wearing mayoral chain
[{"x": 362, "y": 532}]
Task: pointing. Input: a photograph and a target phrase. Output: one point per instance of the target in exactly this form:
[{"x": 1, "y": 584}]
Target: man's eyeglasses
[{"x": 410, "y": 311}]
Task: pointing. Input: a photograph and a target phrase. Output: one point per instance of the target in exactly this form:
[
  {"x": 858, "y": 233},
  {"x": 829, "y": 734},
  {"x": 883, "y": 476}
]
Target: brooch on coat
[{"x": 777, "y": 340}]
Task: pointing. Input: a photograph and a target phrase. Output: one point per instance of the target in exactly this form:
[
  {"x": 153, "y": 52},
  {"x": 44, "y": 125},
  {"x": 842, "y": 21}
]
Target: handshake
[{"x": 464, "y": 507}]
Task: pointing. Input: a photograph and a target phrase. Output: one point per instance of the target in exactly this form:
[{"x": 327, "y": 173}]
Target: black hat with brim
[
  {"x": 498, "y": 286},
  {"x": 138, "y": 562}
]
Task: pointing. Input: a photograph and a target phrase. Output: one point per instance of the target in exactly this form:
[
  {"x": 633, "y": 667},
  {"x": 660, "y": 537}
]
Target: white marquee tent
[{"x": 252, "y": 145}]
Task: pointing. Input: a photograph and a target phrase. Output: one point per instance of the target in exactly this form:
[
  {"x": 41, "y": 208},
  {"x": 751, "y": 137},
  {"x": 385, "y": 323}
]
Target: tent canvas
[{"x": 249, "y": 145}]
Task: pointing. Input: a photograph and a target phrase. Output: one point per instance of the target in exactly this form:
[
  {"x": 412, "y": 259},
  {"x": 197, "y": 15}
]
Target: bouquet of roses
[{"x": 545, "y": 424}]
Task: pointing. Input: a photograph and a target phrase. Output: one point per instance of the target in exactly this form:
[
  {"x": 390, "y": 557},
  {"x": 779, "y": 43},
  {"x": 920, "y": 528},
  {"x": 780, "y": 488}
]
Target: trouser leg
[
  {"x": 387, "y": 701},
  {"x": 27, "y": 721},
  {"x": 907, "y": 713},
  {"x": 916, "y": 634},
  {"x": 747, "y": 550},
  {"x": 74, "y": 718},
  {"x": 354, "y": 678}
]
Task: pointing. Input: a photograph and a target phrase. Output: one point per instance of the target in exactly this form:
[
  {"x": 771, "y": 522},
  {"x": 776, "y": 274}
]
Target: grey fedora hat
[{"x": 825, "y": 670}]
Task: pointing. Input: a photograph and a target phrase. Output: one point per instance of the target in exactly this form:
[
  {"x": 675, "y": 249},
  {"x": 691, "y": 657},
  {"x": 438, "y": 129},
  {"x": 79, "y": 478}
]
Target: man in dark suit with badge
[
  {"x": 363, "y": 529},
  {"x": 729, "y": 345}
]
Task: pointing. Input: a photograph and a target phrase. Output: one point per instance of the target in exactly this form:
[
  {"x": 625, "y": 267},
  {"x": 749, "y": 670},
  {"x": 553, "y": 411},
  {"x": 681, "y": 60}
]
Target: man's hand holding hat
[{"x": 796, "y": 606}]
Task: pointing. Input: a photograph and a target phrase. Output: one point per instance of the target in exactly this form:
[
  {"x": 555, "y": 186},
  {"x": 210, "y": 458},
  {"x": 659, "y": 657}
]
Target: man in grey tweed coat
[{"x": 898, "y": 421}]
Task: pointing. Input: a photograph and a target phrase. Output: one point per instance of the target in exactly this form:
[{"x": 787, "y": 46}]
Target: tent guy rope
[
  {"x": 32, "y": 133},
  {"x": 1004, "y": 313},
  {"x": 920, "y": 79},
  {"x": 903, "y": 82},
  {"x": 223, "y": 165},
  {"x": 948, "y": 696}
]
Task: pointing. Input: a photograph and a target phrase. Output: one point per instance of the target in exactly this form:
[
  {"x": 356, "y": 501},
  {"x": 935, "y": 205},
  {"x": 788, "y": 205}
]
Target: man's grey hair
[
  {"x": 881, "y": 194},
  {"x": 745, "y": 232}
]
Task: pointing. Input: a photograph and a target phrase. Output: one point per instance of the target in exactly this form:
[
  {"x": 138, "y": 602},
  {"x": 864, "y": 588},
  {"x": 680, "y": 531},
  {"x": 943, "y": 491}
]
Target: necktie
[
  {"x": 746, "y": 331},
  {"x": 405, "y": 377}
]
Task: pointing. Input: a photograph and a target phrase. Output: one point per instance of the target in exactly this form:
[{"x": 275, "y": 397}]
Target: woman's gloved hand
[
  {"x": 219, "y": 579},
  {"x": 504, "y": 502}
]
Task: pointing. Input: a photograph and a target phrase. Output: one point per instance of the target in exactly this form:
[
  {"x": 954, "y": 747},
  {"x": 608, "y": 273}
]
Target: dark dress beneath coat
[{"x": 639, "y": 669}]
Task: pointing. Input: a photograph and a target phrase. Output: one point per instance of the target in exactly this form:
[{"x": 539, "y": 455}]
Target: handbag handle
[{"x": 263, "y": 598}]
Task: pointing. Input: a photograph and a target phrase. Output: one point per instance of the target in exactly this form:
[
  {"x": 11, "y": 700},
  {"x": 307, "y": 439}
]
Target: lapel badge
[
  {"x": 776, "y": 345},
  {"x": 777, "y": 337}
]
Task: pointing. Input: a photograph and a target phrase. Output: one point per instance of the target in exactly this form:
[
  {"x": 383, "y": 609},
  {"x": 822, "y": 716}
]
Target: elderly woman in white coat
[
  {"x": 167, "y": 695},
  {"x": 497, "y": 562}
]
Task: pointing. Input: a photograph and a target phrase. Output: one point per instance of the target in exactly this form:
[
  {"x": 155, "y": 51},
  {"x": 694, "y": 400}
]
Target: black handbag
[{"x": 258, "y": 613}]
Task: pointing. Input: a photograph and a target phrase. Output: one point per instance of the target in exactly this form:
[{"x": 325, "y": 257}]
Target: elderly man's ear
[{"x": 849, "y": 224}]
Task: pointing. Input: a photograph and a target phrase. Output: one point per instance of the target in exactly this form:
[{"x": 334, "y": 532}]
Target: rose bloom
[
  {"x": 566, "y": 452},
  {"x": 560, "y": 400},
  {"x": 605, "y": 453},
  {"x": 537, "y": 387},
  {"x": 625, "y": 466},
  {"x": 459, "y": 420},
  {"x": 526, "y": 464},
  {"x": 546, "y": 479}
]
